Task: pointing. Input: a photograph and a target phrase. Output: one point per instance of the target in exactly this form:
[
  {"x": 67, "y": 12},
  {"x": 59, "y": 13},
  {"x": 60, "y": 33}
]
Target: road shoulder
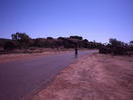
[{"x": 13, "y": 57}]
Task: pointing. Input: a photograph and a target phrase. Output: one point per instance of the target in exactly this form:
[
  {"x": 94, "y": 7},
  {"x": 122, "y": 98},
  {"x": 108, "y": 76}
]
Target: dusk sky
[{"x": 93, "y": 19}]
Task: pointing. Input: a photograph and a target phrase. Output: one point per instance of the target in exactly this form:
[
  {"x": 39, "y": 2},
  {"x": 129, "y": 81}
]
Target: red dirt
[{"x": 95, "y": 77}]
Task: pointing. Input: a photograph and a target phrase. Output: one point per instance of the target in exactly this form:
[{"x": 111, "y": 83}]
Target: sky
[{"x": 96, "y": 20}]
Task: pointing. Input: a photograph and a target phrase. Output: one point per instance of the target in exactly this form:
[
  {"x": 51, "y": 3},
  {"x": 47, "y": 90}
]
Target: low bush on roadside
[
  {"x": 10, "y": 45},
  {"x": 104, "y": 49},
  {"x": 115, "y": 47}
]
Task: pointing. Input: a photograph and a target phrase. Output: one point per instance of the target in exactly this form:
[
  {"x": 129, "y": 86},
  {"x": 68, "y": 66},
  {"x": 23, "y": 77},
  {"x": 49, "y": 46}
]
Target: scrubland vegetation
[
  {"x": 22, "y": 43},
  {"x": 116, "y": 47}
]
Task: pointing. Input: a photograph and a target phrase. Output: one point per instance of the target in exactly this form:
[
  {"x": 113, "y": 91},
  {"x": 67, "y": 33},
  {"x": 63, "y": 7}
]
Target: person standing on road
[{"x": 76, "y": 50}]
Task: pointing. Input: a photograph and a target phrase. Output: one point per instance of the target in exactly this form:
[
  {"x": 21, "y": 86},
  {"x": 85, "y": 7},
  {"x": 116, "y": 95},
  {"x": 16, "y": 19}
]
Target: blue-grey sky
[{"x": 93, "y": 19}]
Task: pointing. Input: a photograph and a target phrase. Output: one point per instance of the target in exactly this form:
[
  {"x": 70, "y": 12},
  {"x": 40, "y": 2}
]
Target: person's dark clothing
[{"x": 76, "y": 51}]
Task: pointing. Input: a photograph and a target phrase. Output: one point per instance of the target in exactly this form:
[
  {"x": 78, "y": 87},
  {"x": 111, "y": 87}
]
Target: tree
[
  {"x": 22, "y": 38},
  {"x": 49, "y": 38},
  {"x": 61, "y": 38},
  {"x": 76, "y": 37},
  {"x": 85, "y": 43},
  {"x": 131, "y": 42},
  {"x": 115, "y": 42},
  {"x": 131, "y": 45}
]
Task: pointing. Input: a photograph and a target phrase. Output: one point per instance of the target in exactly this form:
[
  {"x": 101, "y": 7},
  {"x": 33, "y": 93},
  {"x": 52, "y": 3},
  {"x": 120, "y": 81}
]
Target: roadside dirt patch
[
  {"x": 93, "y": 77},
  {"x": 13, "y": 57}
]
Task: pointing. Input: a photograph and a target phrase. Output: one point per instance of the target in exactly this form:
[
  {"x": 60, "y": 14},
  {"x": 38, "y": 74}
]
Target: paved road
[{"x": 19, "y": 78}]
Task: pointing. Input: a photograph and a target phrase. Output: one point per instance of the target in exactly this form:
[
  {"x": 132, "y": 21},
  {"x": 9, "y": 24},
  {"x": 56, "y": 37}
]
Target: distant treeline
[{"x": 23, "y": 41}]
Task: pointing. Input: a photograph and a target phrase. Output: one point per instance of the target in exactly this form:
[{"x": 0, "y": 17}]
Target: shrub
[
  {"x": 10, "y": 45},
  {"x": 39, "y": 42},
  {"x": 115, "y": 47},
  {"x": 104, "y": 49}
]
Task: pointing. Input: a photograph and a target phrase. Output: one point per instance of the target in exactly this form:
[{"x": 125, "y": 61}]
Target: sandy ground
[
  {"x": 13, "y": 57},
  {"x": 37, "y": 52},
  {"x": 95, "y": 77}
]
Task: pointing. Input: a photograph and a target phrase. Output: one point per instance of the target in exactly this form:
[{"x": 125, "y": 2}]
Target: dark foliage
[
  {"x": 3, "y": 41},
  {"x": 76, "y": 37},
  {"x": 104, "y": 49},
  {"x": 23, "y": 41},
  {"x": 22, "y": 38},
  {"x": 61, "y": 38},
  {"x": 115, "y": 47},
  {"x": 49, "y": 38},
  {"x": 10, "y": 45},
  {"x": 39, "y": 42},
  {"x": 131, "y": 45}
]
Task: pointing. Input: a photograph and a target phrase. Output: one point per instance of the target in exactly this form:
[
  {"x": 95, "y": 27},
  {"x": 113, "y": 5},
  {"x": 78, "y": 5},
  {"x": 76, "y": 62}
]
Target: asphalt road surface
[{"x": 20, "y": 78}]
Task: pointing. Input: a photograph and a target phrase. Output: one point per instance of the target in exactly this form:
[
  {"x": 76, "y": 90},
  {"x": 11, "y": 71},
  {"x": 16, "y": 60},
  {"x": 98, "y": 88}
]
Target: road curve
[{"x": 21, "y": 77}]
